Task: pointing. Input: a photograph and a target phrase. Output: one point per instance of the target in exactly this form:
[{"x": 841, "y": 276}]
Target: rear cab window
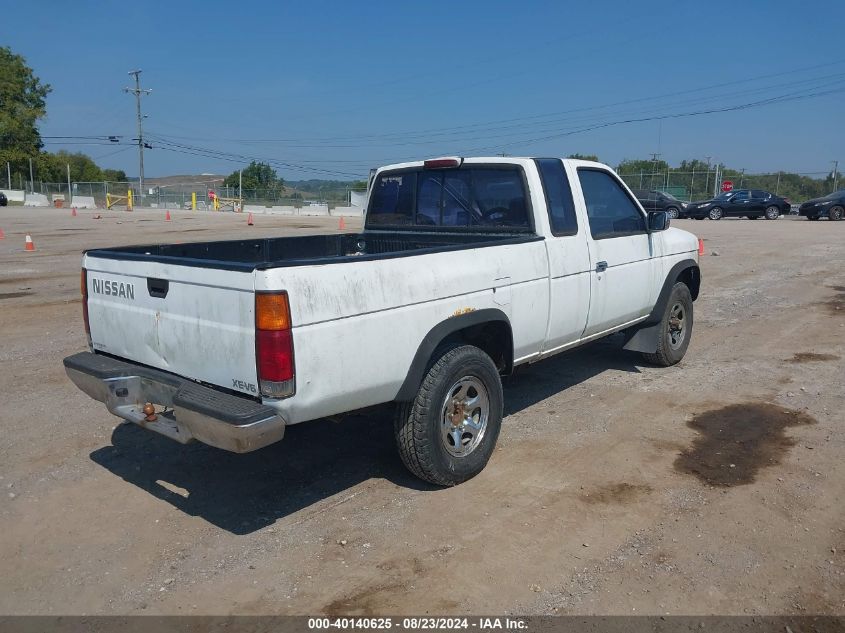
[{"x": 473, "y": 197}]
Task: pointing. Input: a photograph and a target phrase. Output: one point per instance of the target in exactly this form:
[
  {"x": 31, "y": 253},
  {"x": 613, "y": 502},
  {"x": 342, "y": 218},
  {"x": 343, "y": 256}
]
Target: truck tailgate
[{"x": 193, "y": 322}]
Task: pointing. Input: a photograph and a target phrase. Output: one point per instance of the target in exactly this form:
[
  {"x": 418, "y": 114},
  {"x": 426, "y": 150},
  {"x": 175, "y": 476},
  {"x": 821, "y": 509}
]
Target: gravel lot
[{"x": 716, "y": 486}]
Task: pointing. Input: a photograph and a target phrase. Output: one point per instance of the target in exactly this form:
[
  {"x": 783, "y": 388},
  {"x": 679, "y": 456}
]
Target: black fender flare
[
  {"x": 644, "y": 337},
  {"x": 432, "y": 340}
]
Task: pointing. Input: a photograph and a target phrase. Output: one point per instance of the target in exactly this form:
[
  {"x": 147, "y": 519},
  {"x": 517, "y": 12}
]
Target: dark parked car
[
  {"x": 831, "y": 206},
  {"x": 749, "y": 203},
  {"x": 654, "y": 200},
  {"x": 3, "y": 200}
]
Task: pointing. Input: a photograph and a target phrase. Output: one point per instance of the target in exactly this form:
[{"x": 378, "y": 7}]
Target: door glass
[{"x": 609, "y": 209}]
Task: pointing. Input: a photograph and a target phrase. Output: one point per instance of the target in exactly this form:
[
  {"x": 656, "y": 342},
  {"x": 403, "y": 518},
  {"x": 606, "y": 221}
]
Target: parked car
[
  {"x": 3, "y": 200},
  {"x": 749, "y": 203},
  {"x": 653, "y": 200},
  {"x": 465, "y": 269},
  {"x": 831, "y": 206}
]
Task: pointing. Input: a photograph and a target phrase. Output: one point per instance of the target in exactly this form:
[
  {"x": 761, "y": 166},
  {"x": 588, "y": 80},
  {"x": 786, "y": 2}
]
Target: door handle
[
  {"x": 157, "y": 287},
  {"x": 601, "y": 267}
]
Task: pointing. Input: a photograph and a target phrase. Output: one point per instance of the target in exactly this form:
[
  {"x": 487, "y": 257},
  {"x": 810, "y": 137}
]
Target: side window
[
  {"x": 740, "y": 196},
  {"x": 558, "y": 196},
  {"x": 609, "y": 209},
  {"x": 759, "y": 194}
]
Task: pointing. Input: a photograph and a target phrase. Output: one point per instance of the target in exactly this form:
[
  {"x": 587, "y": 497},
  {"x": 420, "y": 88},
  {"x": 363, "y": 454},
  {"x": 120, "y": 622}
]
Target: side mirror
[{"x": 658, "y": 221}]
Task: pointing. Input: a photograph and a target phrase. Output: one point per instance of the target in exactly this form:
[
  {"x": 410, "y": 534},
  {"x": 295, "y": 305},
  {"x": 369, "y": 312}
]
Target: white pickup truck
[{"x": 465, "y": 268}]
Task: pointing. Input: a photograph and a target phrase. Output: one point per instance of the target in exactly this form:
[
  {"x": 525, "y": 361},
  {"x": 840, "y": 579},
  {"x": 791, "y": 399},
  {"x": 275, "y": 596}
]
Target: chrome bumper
[{"x": 193, "y": 411}]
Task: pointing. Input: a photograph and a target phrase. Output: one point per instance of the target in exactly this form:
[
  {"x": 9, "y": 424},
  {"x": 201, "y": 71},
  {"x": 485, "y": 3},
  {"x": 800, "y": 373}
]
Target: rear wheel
[
  {"x": 716, "y": 213},
  {"x": 673, "y": 212},
  {"x": 448, "y": 433},
  {"x": 772, "y": 213},
  {"x": 675, "y": 328},
  {"x": 836, "y": 213}
]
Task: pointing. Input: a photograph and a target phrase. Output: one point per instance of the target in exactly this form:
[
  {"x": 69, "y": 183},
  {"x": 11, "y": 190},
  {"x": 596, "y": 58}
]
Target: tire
[
  {"x": 753, "y": 217},
  {"x": 716, "y": 213},
  {"x": 772, "y": 213},
  {"x": 812, "y": 217},
  {"x": 836, "y": 213},
  {"x": 673, "y": 343},
  {"x": 674, "y": 213},
  {"x": 431, "y": 446}
]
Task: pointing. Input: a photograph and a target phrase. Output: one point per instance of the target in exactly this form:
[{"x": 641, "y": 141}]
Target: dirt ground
[{"x": 713, "y": 487}]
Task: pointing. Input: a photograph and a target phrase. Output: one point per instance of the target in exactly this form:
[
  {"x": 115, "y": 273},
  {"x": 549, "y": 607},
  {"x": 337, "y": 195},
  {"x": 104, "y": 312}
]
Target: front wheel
[
  {"x": 772, "y": 213},
  {"x": 673, "y": 213},
  {"x": 448, "y": 433},
  {"x": 836, "y": 213},
  {"x": 675, "y": 328},
  {"x": 715, "y": 213}
]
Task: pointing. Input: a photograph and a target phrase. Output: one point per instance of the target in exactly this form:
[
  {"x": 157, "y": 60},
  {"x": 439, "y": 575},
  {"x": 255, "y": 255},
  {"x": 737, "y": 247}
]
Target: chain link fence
[
  {"x": 180, "y": 195},
  {"x": 704, "y": 184}
]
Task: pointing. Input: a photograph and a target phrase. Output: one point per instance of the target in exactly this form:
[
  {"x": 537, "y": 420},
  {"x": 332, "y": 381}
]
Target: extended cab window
[
  {"x": 558, "y": 196},
  {"x": 609, "y": 209},
  {"x": 483, "y": 197}
]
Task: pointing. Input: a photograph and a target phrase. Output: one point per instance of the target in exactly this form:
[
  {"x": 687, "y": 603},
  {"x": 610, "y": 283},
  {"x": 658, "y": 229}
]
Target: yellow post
[
  {"x": 108, "y": 201},
  {"x": 129, "y": 200},
  {"x": 216, "y": 203},
  {"x": 193, "y": 201}
]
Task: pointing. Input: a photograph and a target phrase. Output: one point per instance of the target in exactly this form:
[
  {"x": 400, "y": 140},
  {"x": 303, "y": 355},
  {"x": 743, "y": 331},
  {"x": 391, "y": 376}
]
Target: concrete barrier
[
  {"x": 36, "y": 200},
  {"x": 315, "y": 209},
  {"x": 83, "y": 202},
  {"x": 283, "y": 210},
  {"x": 254, "y": 208},
  {"x": 349, "y": 212},
  {"x": 14, "y": 195}
]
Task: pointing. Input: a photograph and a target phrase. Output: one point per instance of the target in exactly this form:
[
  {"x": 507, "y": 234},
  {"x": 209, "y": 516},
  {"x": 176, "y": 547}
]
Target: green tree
[
  {"x": 257, "y": 176},
  {"x": 22, "y": 105},
  {"x": 592, "y": 157},
  {"x": 114, "y": 175}
]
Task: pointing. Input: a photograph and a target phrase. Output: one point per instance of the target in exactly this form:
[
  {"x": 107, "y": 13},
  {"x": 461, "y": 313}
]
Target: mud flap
[{"x": 643, "y": 339}]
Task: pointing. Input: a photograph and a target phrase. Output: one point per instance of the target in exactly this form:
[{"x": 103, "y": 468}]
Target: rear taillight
[
  {"x": 274, "y": 345},
  {"x": 83, "y": 288}
]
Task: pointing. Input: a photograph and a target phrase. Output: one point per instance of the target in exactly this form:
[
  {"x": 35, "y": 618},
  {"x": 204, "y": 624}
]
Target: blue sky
[{"x": 330, "y": 89}]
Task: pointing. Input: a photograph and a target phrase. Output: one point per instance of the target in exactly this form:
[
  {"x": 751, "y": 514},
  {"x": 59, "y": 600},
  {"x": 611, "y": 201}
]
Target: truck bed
[{"x": 263, "y": 253}]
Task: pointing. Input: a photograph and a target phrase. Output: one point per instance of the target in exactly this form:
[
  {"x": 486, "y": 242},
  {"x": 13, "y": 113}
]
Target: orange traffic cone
[
  {"x": 30, "y": 245},
  {"x": 249, "y": 220},
  {"x": 2, "y": 235},
  {"x": 341, "y": 224},
  {"x": 167, "y": 216},
  {"x": 73, "y": 212},
  {"x": 700, "y": 246}
]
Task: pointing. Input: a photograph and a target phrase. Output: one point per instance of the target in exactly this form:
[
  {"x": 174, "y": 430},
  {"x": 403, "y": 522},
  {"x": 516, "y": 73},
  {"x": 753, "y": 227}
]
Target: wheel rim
[
  {"x": 772, "y": 213},
  {"x": 673, "y": 214},
  {"x": 677, "y": 325},
  {"x": 464, "y": 416},
  {"x": 836, "y": 213},
  {"x": 715, "y": 214}
]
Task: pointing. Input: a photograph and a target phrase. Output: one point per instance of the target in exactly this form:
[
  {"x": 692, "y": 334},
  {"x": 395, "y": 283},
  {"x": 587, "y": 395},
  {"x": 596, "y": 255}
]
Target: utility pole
[
  {"x": 31, "y": 179},
  {"x": 835, "y": 175},
  {"x": 69, "y": 191},
  {"x": 741, "y": 177},
  {"x": 138, "y": 93},
  {"x": 654, "y": 157},
  {"x": 9, "y": 173},
  {"x": 707, "y": 178}
]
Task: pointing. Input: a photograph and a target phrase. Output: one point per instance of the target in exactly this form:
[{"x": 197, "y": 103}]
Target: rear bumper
[{"x": 194, "y": 412}]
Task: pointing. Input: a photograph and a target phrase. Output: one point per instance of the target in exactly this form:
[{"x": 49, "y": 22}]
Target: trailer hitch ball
[{"x": 150, "y": 412}]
